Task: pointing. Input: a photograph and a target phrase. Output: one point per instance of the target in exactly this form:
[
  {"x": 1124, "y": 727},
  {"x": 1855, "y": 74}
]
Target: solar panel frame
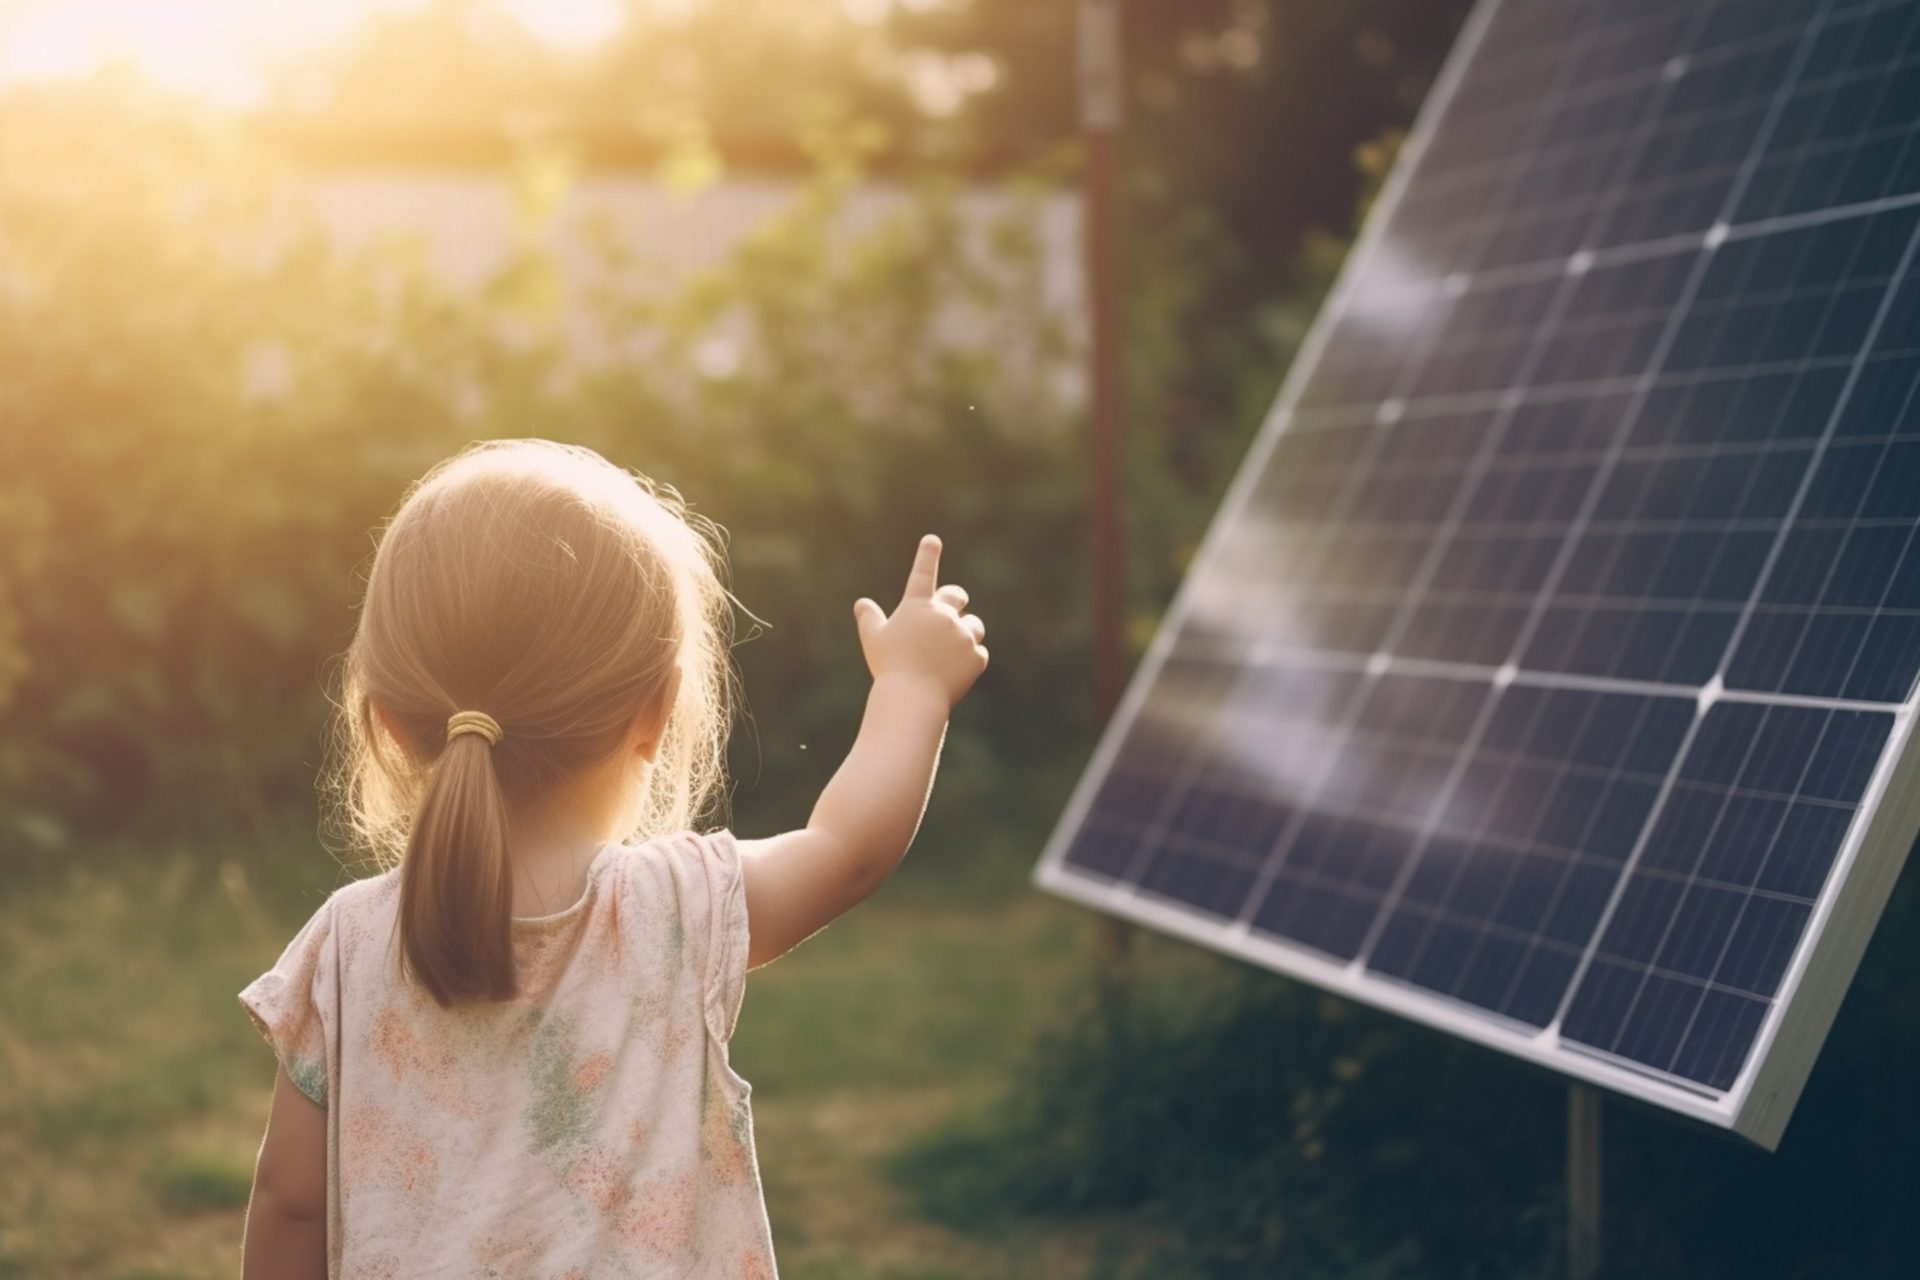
[{"x": 1883, "y": 828}]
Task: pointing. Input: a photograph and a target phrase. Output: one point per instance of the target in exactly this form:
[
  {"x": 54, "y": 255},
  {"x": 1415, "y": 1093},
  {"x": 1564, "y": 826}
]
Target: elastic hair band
[{"x": 474, "y": 722}]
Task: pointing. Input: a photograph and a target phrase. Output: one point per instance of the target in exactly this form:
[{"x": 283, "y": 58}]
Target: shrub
[
  {"x": 1227, "y": 1123},
  {"x": 209, "y": 404}
]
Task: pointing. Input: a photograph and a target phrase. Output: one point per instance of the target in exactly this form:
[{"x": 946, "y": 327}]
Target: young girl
[{"x": 507, "y": 1055}]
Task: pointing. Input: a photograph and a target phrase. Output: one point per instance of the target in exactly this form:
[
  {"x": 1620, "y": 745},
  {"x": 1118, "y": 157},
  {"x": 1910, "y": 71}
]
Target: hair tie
[{"x": 474, "y": 722}]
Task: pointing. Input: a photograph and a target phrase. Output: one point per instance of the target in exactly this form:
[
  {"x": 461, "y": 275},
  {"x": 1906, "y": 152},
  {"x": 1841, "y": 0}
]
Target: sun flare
[{"x": 222, "y": 49}]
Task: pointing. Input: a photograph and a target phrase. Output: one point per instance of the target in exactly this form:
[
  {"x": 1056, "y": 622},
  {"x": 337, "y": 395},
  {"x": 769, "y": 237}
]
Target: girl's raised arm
[{"x": 923, "y": 657}]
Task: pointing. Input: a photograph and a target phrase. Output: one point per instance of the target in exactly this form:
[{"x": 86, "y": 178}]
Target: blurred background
[{"x": 818, "y": 264}]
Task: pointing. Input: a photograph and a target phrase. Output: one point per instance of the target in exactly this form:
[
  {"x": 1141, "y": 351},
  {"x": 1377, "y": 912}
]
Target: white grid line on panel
[
  {"x": 1475, "y": 174},
  {"x": 1696, "y": 62},
  {"x": 1747, "y": 896},
  {"x": 1376, "y": 665},
  {"x": 1626, "y": 878},
  {"x": 1125, "y": 716},
  {"x": 1600, "y": 258},
  {"x": 1432, "y": 917},
  {"x": 1352, "y": 481},
  {"x": 1808, "y": 938},
  {"x": 1756, "y": 150},
  {"x": 1569, "y": 540},
  {"x": 1277, "y": 855},
  {"x": 1906, "y": 548},
  {"x": 1196, "y": 757},
  {"x": 1403, "y": 664}
]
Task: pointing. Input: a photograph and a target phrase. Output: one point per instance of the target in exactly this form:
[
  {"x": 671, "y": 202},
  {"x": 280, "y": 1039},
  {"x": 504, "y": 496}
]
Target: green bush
[
  {"x": 207, "y": 409},
  {"x": 209, "y": 405},
  {"x": 1236, "y": 1124}
]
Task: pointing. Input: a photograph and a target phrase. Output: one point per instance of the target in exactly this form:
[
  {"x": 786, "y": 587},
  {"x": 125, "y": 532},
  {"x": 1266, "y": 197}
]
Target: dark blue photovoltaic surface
[
  {"x": 1697, "y": 947},
  {"x": 1840, "y": 615},
  {"x": 1514, "y": 877},
  {"x": 1611, "y": 444}
]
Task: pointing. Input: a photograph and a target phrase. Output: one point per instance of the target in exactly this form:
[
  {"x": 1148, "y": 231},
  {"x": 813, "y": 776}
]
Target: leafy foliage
[
  {"x": 201, "y": 403},
  {"x": 1248, "y": 1126},
  {"x": 209, "y": 406}
]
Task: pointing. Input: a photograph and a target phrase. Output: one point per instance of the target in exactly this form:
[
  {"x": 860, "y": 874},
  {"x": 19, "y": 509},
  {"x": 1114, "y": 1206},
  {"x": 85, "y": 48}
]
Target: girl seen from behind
[{"x": 507, "y": 1054}]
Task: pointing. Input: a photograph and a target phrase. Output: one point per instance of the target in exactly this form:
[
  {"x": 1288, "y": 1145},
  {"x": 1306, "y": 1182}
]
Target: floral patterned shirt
[{"x": 589, "y": 1127}]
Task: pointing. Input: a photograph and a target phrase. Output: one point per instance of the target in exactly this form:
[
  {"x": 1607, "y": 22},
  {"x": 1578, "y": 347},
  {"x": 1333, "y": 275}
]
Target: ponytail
[{"x": 456, "y": 894}]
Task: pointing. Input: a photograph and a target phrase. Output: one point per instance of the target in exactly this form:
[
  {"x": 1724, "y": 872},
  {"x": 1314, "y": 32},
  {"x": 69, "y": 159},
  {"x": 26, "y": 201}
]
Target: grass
[
  {"x": 133, "y": 1089},
  {"x": 938, "y": 1097},
  {"x": 194, "y": 1180}
]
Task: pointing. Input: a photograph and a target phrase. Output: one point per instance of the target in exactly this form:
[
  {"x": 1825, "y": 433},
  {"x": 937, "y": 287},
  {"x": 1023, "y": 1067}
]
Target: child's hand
[
  {"x": 928, "y": 638},
  {"x": 924, "y": 659}
]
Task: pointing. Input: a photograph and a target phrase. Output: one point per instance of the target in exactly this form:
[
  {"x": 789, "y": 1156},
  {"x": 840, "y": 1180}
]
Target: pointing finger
[{"x": 926, "y": 570}]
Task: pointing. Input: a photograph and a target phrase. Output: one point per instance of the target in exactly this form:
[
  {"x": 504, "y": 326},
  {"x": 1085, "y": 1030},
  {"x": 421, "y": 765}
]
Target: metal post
[
  {"x": 1100, "y": 98},
  {"x": 1583, "y": 1181}
]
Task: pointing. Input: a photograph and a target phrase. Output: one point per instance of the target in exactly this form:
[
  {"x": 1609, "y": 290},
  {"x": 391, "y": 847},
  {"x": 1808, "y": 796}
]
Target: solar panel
[{"x": 1548, "y": 672}]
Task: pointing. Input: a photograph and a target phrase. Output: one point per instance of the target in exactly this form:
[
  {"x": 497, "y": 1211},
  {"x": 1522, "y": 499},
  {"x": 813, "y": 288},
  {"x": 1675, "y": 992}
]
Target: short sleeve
[
  {"x": 292, "y": 1004},
  {"x": 712, "y": 896}
]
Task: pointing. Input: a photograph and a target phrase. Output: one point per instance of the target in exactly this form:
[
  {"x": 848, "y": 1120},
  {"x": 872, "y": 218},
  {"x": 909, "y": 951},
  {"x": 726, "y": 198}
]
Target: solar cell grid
[
  {"x": 1503, "y": 898},
  {"x": 1543, "y": 662},
  {"x": 1846, "y": 135},
  {"x": 1726, "y": 884},
  {"x": 1155, "y": 759},
  {"x": 1840, "y": 614}
]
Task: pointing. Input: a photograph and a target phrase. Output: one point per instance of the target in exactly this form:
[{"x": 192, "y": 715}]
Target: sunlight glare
[
  {"x": 568, "y": 24},
  {"x": 221, "y": 49}
]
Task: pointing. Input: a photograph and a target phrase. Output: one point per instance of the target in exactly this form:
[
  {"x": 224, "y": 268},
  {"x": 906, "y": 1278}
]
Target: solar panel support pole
[
  {"x": 1100, "y": 99},
  {"x": 1583, "y": 1181}
]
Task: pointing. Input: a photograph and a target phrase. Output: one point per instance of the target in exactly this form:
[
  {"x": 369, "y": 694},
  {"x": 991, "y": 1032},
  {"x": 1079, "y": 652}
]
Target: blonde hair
[{"x": 557, "y": 593}]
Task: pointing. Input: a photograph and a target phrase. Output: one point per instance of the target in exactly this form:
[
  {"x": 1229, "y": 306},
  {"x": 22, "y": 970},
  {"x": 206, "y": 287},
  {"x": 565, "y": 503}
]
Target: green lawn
[{"x": 133, "y": 1089}]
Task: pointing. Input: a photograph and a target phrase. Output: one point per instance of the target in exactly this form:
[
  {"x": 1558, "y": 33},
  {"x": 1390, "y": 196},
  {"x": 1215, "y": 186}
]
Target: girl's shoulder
[
  {"x": 687, "y": 889},
  {"x": 709, "y": 860},
  {"x": 355, "y": 908},
  {"x": 689, "y": 877},
  {"x": 367, "y": 894}
]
